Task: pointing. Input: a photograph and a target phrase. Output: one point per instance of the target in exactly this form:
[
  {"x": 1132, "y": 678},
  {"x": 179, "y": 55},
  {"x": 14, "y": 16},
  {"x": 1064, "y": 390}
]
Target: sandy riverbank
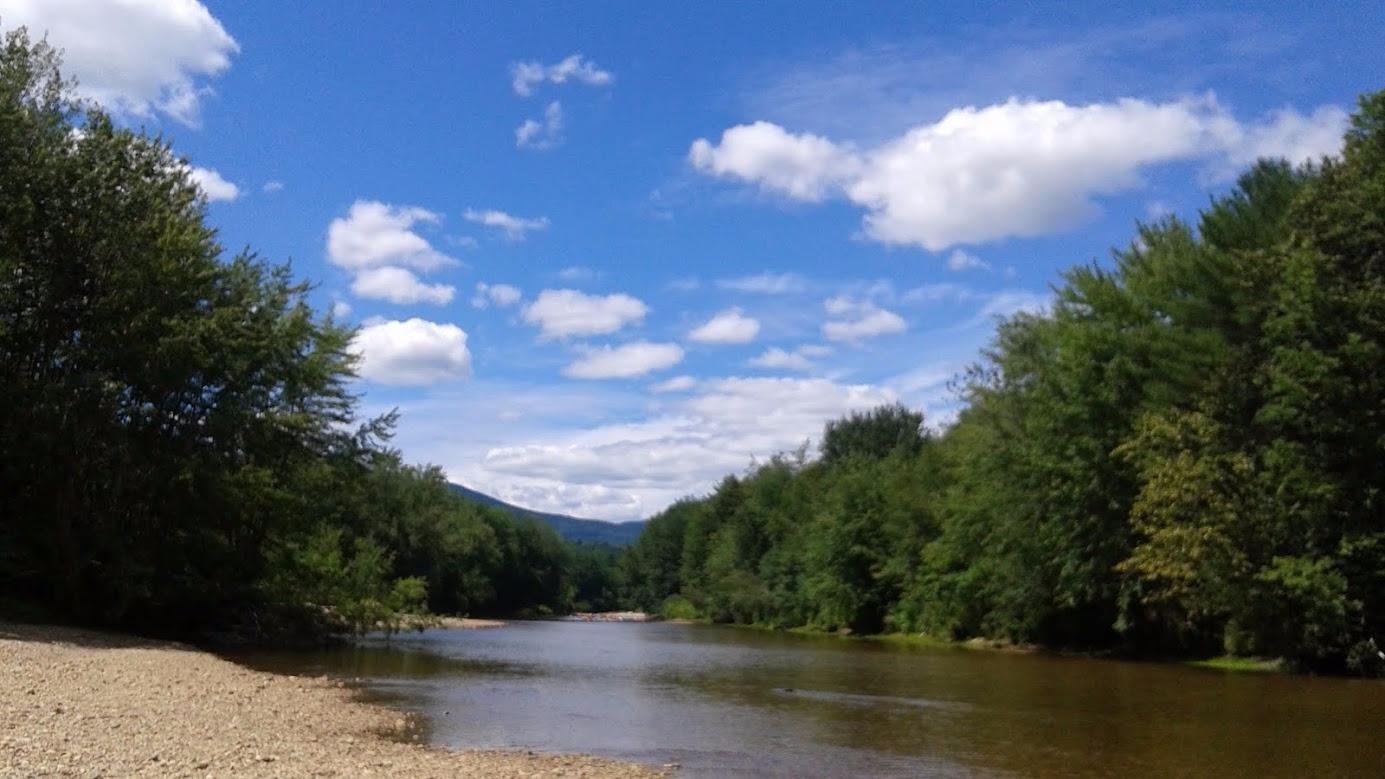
[
  {"x": 612, "y": 616},
  {"x": 79, "y": 703},
  {"x": 467, "y": 623}
]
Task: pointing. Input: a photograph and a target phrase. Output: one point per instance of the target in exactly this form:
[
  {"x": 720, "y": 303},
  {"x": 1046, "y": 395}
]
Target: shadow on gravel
[{"x": 87, "y": 639}]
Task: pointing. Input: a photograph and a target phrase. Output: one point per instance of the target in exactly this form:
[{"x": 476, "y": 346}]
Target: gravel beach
[{"x": 81, "y": 703}]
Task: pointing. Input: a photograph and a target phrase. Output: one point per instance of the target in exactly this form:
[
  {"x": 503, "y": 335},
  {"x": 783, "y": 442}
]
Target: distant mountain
[{"x": 591, "y": 531}]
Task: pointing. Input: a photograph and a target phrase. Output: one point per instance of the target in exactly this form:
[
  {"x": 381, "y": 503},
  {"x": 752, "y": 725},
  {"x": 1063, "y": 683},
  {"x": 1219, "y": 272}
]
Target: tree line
[
  {"x": 180, "y": 450},
  {"x": 1184, "y": 454}
]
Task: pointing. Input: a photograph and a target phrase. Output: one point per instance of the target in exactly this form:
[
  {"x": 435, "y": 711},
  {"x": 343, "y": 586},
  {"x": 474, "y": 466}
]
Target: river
[{"x": 731, "y": 701}]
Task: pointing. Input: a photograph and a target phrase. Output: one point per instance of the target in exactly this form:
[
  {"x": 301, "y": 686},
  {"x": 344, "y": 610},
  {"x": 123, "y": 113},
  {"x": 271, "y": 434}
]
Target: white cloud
[
  {"x": 563, "y": 313},
  {"x": 341, "y": 309},
  {"x": 1020, "y": 168},
  {"x": 373, "y": 234},
  {"x": 626, "y": 361},
  {"x": 675, "y": 384},
  {"x": 1288, "y": 134},
  {"x": 1008, "y": 303},
  {"x": 525, "y": 76},
  {"x": 135, "y": 57},
  {"x": 857, "y": 320},
  {"x": 728, "y": 327},
  {"x": 270, "y": 187},
  {"x": 411, "y": 352},
  {"x": 930, "y": 388},
  {"x": 804, "y": 167},
  {"x": 960, "y": 260},
  {"x": 541, "y": 136},
  {"x": 933, "y": 293},
  {"x": 216, "y": 188},
  {"x": 800, "y": 405},
  {"x": 501, "y": 295},
  {"x": 776, "y": 358},
  {"x": 399, "y": 285},
  {"x": 514, "y": 227},
  {"x": 700, "y": 438},
  {"x": 765, "y": 283},
  {"x": 582, "y": 500},
  {"x": 576, "y": 273}
]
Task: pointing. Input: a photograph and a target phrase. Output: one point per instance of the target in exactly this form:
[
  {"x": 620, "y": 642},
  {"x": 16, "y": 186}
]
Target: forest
[
  {"x": 181, "y": 452},
  {"x": 1185, "y": 455}
]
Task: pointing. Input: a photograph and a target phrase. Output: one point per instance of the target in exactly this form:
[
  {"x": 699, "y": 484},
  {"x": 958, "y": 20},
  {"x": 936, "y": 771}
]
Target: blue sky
[{"x": 603, "y": 254}]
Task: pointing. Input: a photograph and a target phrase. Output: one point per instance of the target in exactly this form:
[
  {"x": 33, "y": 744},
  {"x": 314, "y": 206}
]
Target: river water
[{"x": 731, "y": 701}]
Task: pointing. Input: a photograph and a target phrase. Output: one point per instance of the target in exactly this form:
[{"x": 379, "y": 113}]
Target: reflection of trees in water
[{"x": 802, "y": 704}]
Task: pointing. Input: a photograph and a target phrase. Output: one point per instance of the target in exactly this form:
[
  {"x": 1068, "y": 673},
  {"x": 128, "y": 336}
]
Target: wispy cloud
[
  {"x": 527, "y": 76},
  {"x": 515, "y": 228}
]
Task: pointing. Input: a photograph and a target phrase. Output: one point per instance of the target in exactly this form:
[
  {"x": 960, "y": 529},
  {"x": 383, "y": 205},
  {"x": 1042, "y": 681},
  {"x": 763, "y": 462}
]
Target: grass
[{"x": 1257, "y": 665}]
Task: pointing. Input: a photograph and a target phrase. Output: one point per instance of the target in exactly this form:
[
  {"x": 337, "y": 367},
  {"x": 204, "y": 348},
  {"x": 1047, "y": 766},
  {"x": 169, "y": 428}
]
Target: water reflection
[{"x": 724, "y": 700}]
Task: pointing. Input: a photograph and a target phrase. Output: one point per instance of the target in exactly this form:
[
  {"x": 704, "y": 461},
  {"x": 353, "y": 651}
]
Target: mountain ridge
[{"x": 576, "y": 529}]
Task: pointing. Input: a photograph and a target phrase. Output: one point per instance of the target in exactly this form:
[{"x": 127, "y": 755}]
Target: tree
[
  {"x": 180, "y": 449},
  {"x": 878, "y": 433}
]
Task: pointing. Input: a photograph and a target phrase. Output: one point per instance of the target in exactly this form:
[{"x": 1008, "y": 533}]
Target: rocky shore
[
  {"x": 612, "y": 616},
  {"x": 81, "y": 703}
]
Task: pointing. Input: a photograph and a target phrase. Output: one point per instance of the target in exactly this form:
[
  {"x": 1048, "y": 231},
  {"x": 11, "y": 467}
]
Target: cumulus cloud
[
  {"x": 374, "y": 234},
  {"x": 731, "y": 326},
  {"x": 960, "y": 260},
  {"x": 1289, "y": 134},
  {"x": 526, "y": 76},
  {"x": 776, "y": 358},
  {"x": 564, "y": 313},
  {"x": 1019, "y": 168},
  {"x": 411, "y": 352},
  {"x": 626, "y": 361},
  {"x": 216, "y": 188},
  {"x": 765, "y": 283},
  {"x": 804, "y": 166},
  {"x": 855, "y": 320},
  {"x": 582, "y": 500},
  {"x": 718, "y": 429},
  {"x": 341, "y": 309},
  {"x": 515, "y": 228},
  {"x": 499, "y": 295},
  {"x": 541, "y": 136},
  {"x": 136, "y": 58},
  {"x": 675, "y": 384},
  {"x": 399, "y": 285},
  {"x": 270, "y": 187}
]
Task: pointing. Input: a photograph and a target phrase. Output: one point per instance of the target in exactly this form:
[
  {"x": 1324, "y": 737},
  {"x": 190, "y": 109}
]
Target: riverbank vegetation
[
  {"x": 180, "y": 450},
  {"x": 1184, "y": 454}
]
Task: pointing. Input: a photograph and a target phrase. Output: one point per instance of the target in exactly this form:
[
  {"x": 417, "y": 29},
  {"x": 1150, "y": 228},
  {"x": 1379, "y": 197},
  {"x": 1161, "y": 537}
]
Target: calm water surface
[{"x": 729, "y": 701}]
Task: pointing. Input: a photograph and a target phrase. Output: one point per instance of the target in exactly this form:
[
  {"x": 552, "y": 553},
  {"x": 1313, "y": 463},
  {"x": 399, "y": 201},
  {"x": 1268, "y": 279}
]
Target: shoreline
[
  {"x": 1230, "y": 664},
  {"x": 81, "y": 702}
]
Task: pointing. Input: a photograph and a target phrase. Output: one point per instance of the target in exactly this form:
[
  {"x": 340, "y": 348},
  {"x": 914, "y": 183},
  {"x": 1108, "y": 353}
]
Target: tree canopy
[
  {"x": 1186, "y": 453},
  {"x": 180, "y": 448}
]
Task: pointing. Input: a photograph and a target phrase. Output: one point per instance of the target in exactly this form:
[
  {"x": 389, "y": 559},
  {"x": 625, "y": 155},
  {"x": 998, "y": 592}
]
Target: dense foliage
[
  {"x": 1185, "y": 454},
  {"x": 179, "y": 448}
]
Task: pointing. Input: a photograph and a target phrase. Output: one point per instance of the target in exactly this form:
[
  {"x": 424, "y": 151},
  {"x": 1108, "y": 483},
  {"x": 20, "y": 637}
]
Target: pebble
[{"x": 183, "y": 705}]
